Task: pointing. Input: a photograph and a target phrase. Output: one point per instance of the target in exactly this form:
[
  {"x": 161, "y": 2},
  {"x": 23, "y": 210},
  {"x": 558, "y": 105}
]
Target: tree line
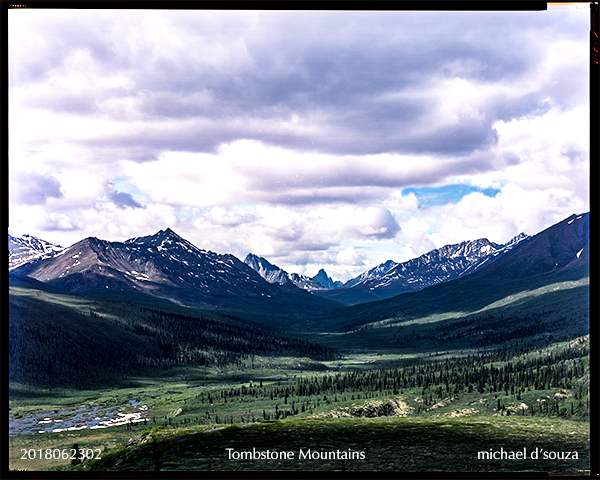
[
  {"x": 504, "y": 373},
  {"x": 61, "y": 347}
]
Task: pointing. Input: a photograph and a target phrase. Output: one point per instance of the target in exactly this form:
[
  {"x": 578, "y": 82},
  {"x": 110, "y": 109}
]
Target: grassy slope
[
  {"x": 560, "y": 309},
  {"x": 464, "y": 295},
  {"x": 389, "y": 444}
]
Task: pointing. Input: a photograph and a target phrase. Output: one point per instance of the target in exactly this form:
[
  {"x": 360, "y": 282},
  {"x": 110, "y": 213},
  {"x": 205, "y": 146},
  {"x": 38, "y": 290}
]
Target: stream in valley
[{"x": 92, "y": 416}]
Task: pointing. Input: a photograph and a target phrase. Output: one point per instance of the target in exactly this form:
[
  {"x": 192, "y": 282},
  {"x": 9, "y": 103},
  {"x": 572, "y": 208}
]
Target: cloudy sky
[{"x": 333, "y": 140}]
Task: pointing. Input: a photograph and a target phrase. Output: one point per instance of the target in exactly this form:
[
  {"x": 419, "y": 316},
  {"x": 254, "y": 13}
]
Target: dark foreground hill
[{"x": 359, "y": 448}]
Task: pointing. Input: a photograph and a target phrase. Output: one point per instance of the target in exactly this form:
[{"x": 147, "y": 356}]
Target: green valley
[
  {"x": 489, "y": 372},
  {"x": 530, "y": 392}
]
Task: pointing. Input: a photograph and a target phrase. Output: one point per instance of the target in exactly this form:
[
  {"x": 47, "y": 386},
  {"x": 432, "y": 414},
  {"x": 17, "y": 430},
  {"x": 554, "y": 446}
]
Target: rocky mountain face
[
  {"x": 325, "y": 281},
  {"x": 374, "y": 272},
  {"x": 302, "y": 281},
  {"x": 266, "y": 270},
  {"x": 163, "y": 265},
  {"x": 27, "y": 248},
  {"x": 274, "y": 274},
  {"x": 440, "y": 265}
]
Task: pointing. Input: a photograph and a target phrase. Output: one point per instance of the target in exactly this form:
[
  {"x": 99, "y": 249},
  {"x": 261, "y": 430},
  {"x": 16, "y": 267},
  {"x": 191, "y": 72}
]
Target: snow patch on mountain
[
  {"x": 26, "y": 248},
  {"x": 436, "y": 266}
]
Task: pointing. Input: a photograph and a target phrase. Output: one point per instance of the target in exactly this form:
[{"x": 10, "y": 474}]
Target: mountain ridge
[
  {"x": 166, "y": 266},
  {"x": 436, "y": 266},
  {"x": 529, "y": 266},
  {"x": 273, "y": 274},
  {"x": 163, "y": 263}
]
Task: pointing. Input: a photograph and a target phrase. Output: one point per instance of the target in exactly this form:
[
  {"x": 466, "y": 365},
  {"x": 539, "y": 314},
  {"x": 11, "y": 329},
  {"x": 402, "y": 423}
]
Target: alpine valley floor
[{"x": 379, "y": 415}]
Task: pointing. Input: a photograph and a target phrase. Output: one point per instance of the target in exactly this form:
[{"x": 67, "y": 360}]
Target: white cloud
[
  {"x": 349, "y": 256},
  {"x": 538, "y": 145},
  {"x": 243, "y": 135},
  {"x": 510, "y": 212}
]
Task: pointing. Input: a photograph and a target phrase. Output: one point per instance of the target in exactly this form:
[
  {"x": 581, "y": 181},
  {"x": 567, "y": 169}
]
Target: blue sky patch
[{"x": 433, "y": 196}]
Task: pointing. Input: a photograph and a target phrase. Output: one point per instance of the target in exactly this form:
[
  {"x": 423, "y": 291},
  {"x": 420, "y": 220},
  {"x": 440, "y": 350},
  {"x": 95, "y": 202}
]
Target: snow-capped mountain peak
[
  {"x": 27, "y": 248},
  {"x": 440, "y": 265}
]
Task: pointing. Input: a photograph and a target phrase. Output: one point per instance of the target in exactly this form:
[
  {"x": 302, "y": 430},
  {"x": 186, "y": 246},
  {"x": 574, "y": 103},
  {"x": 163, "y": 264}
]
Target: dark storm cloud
[
  {"x": 454, "y": 139},
  {"x": 35, "y": 189},
  {"x": 356, "y": 82},
  {"x": 123, "y": 200},
  {"x": 352, "y": 182}
]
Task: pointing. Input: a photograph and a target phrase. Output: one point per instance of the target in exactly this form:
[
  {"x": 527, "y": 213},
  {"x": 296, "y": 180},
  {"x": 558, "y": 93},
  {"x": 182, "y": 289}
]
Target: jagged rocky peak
[
  {"x": 259, "y": 263},
  {"x": 305, "y": 282},
  {"x": 274, "y": 274},
  {"x": 519, "y": 238},
  {"x": 167, "y": 233},
  {"x": 325, "y": 281},
  {"x": 469, "y": 249},
  {"x": 268, "y": 271},
  {"x": 164, "y": 240},
  {"x": 158, "y": 236},
  {"x": 252, "y": 259}
]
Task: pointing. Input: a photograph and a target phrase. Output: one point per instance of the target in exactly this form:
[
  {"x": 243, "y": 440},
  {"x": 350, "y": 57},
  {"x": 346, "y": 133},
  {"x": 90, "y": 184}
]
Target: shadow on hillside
[{"x": 465, "y": 295}]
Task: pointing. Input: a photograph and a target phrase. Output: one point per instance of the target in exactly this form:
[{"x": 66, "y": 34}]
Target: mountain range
[
  {"x": 440, "y": 265},
  {"x": 558, "y": 254},
  {"x": 168, "y": 267},
  {"x": 274, "y": 274},
  {"x": 391, "y": 278},
  {"x": 99, "y": 309}
]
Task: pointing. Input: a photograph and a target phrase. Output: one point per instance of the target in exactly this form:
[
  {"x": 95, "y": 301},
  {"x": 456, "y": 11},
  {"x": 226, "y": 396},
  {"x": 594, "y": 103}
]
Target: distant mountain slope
[
  {"x": 375, "y": 272},
  {"x": 166, "y": 266},
  {"x": 558, "y": 254},
  {"x": 304, "y": 282},
  {"x": 441, "y": 265},
  {"x": 274, "y": 274},
  {"x": 26, "y": 248},
  {"x": 325, "y": 281}
]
